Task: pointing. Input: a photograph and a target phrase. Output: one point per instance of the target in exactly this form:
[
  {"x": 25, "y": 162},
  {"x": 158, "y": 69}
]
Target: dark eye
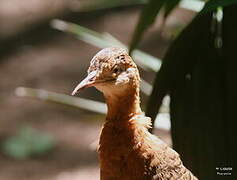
[{"x": 115, "y": 70}]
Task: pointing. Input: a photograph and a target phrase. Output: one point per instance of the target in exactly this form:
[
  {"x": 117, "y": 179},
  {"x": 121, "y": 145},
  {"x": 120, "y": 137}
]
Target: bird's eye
[{"x": 115, "y": 70}]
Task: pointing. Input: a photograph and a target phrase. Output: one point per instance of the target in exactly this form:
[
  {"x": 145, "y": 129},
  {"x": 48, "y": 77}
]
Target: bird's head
[{"x": 111, "y": 70}]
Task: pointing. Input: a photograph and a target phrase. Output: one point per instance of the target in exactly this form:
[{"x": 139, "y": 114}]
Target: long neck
[{"x": 122, "y": 106}]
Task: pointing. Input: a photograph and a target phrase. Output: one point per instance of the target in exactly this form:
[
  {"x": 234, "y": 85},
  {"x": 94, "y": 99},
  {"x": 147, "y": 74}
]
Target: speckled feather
[{"x": 127, "y": 150}]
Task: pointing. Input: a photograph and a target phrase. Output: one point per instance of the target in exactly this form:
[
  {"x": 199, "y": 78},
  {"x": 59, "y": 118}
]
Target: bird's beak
[{"x": 85, "y": 83}]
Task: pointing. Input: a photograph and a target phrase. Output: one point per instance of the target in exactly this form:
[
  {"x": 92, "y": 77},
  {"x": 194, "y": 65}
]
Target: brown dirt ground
[{"x": 57, "y": 65}]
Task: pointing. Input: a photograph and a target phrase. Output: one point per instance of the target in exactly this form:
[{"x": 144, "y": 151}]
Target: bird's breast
[{"x": 120, "y": 154}]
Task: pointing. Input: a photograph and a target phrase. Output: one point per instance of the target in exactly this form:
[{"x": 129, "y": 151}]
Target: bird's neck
[{"x": 123, "y": 106}]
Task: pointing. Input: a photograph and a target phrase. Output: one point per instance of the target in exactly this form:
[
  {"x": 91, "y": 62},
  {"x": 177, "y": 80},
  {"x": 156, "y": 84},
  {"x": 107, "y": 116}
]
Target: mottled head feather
[{"x": 108, "y": 58}]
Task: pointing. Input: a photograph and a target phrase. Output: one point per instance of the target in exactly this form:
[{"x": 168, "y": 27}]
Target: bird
[{"x": 127, "y": 150}]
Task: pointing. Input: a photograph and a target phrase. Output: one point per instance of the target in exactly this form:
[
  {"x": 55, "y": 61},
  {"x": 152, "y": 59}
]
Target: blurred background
[{"x": 48, "y": 136}]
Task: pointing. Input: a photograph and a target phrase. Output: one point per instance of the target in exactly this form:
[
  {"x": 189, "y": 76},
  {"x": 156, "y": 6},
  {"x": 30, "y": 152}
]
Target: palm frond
[{"x": 77, "y": 102}]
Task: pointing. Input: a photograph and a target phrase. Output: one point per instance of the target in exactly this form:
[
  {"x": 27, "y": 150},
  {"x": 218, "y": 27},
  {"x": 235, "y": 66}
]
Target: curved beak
[{"x": 85, "y": 83}]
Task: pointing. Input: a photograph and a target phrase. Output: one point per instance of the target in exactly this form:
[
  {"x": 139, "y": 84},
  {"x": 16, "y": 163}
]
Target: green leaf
[
  {"x": 212, "y": 5},
  {"x": 103, "y": 40},
  {"x": 16, "y": 148},
  {"x": 108, "y": 4},
  {"x": 77, "y": 102},
  {"x": 169, "y": 7},
  {"x": 147, "y": 18},
  {"x": 27, "y": 142},
  {"x": 193, "y": 5}
]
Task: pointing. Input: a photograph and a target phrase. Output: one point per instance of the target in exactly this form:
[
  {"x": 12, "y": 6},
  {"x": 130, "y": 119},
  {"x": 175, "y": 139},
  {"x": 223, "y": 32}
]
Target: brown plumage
[{"x": 127, "y": 151}]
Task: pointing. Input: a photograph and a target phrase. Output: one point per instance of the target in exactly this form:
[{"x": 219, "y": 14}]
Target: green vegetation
[{"x": 28, "y": 142}]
